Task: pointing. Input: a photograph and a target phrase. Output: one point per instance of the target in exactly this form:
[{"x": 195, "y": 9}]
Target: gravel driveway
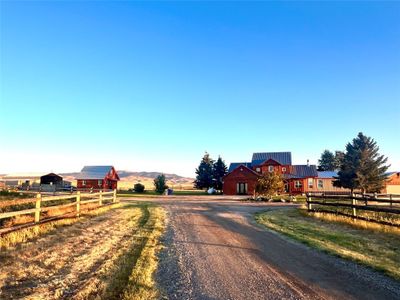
[{"x": 214, "y": 250}]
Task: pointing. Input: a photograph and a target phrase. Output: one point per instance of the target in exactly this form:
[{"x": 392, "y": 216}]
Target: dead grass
[
  {"x": 374, "y": 245},
  {"x": 111, "y": 256},
  {"x": 133, "y": 277},
  {"x": 23, "y": 235}
]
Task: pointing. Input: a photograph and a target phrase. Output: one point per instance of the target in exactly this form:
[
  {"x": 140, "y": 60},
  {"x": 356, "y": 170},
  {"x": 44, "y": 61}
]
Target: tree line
[
  {"x": 359, "y": 167},
  {"x": 210, "y": 173}
]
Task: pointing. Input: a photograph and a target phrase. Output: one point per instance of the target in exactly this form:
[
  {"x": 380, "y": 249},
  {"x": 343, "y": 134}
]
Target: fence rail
[
  {"x": 340, "y": 203},
  {"x": 77, "y": 199}
]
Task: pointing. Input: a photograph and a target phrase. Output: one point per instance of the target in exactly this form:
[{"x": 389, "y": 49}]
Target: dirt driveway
[{"x": 214, "y": 250}]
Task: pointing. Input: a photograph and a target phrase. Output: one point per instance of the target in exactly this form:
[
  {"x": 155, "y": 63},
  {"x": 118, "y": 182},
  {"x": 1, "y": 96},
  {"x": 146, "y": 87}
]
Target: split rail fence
[
  {"x": 379, "y": 208},
  {"x": 43, "y": 204}
]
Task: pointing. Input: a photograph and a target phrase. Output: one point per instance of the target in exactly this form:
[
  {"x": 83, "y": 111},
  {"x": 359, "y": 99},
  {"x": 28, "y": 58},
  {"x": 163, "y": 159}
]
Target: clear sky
[{"x": 151, "y": 86}]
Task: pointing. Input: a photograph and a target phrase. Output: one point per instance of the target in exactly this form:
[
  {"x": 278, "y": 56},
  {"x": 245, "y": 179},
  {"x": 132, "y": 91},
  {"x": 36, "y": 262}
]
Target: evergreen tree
[
  {"x": 219, "y": 171},
  {"x": 160, "y": 184},
  {"x": 269, "y": 184},
  {"x": 204, "y": 177},
  {"x": 339, "y": 155},
  {"x": 327, "y": 161},
  {"x": 362, "y": 166}
]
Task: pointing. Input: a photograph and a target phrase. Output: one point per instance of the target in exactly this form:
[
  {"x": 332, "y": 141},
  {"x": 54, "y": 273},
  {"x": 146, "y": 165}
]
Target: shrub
[
  {"x": 159, "y": 184},
  {"x": 138, "y": 188}
]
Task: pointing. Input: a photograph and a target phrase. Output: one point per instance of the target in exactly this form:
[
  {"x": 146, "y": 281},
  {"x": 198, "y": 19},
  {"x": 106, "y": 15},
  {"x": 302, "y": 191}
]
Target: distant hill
[{"x": 128, "y": 179}]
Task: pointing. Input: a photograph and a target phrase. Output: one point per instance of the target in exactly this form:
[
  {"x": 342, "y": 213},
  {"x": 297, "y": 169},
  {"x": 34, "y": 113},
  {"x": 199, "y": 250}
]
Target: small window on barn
[
  {"x": 298, "y": 184},
  {"x": 83, "y": 182},
  {"x": 258, "y": 169},
  {"x": 320, "y": 184},
  {"x": 99, "y": 182},
  {"x": 310, "y": 183},
  {"x": 270, "y": 168},
  {"x": 283, "y": 170}
]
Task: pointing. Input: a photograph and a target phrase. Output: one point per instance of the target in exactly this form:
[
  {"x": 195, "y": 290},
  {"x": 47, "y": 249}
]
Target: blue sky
[{"x": 151, "y": 86}]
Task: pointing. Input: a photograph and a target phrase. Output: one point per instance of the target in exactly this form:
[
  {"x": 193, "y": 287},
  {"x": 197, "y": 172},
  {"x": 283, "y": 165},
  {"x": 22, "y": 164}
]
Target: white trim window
[
  {"x": 258, "y": 170},
  {"x": 320, "y": 184},
  {"x": 99, "y": 182},
  {"x": 310, "y": 183},
  {"x": 298, "y": 184},
  {"x": 83, "y": 182},
  {"x": 283, "y": 169},
  {"x": 270, "y": 169}
]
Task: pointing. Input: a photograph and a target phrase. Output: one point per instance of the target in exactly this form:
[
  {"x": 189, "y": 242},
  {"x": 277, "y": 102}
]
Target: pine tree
[
  {"x": 204, "y": 178},
  {"x": 339, "y": 155},
  {"x": 327, "y": 161},
  {"x": 219, "y": 171},
  {"x": 362, "y": 166}
]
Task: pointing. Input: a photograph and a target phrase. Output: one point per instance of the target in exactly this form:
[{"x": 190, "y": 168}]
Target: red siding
[
  {"x": 106, "y": 183},
  {"x": 240, "y": 175}
]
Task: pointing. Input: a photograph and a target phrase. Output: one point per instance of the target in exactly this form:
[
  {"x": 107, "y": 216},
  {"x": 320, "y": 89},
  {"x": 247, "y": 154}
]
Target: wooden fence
[
  {"x": 357, "y": 204},
  {"x": 75, "y": 201}
]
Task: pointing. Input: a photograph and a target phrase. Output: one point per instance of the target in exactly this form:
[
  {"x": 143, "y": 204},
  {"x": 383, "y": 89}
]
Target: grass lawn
[{"x": 377, "y": 246}]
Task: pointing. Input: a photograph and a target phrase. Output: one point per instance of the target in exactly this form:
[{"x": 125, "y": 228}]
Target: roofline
[{"x": 241, "y": 165}]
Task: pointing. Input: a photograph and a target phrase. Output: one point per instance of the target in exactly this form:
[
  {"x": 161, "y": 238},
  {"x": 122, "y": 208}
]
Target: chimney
[{"x": 308, "y": 162}]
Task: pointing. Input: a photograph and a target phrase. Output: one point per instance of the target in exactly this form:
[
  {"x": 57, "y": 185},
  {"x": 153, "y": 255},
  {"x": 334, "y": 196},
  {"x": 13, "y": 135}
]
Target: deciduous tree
[
  {"x": 269, "y": 184},
  {"x": 160, "y": 184}
]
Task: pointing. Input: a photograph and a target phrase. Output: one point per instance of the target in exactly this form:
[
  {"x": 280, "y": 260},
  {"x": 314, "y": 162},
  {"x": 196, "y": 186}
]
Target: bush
[
  {"x": 138, "y": 188},
  {"x": 159, "y": 184}
]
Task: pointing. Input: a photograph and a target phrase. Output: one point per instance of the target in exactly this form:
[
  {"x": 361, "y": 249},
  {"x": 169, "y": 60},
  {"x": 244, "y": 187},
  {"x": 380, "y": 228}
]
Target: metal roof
[
  {"x": 327, "y": 174},
  {"x": 284, "y": 158},
  {"x": 24, "y": 175},
  {"x": 234, "y": 165},
  {"x": 303, "y": 171},
  {"x": 94, "y": 172}
]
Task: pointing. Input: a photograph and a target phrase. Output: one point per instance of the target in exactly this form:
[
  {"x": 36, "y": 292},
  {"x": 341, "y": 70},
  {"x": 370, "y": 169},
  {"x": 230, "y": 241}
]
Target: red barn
[
  {"x": 97, "y": 178},
  {"x": 242, "y": 177}
]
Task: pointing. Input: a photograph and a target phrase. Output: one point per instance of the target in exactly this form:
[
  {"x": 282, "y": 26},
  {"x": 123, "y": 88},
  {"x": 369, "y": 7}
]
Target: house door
[{"x": 241, "y": 188}]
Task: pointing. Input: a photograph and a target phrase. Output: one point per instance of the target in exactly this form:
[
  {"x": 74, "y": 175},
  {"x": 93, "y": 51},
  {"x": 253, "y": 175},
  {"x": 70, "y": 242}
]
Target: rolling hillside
[{"x": 128, "y": 179}]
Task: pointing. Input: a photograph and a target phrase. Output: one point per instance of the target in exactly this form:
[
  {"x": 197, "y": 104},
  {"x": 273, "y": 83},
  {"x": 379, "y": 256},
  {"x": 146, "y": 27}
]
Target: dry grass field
[
  {"x": 77, "y": 261},
  {"x": 368, "y": 243}
]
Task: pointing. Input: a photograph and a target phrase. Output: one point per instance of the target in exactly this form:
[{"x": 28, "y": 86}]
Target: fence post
[
  {"x": 78, "y": 203},
  {"x": 37, "y": 206},
  {"x": 391, "y": 200},
  {"x": 114, "y": 196},
  {"x": 101, "y": 198},
  {"x": 308, "y": 202},
  {"x": 354, "y": 202}
]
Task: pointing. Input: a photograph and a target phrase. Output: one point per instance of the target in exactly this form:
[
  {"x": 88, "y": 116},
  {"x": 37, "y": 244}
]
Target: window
[
  {"x": 241, "y": 188},
  {"x": 258, "y": 169},
  {"x": 83, "y": 182},
  {"x": 298, "y": 184},
  {"x": 283, "y": 170},
  {"x": 99, "y": 182},
  {"x": 310, "y": 183},
  {"x": 320, "y": 184},
  {"x": 270, "y": 168}
]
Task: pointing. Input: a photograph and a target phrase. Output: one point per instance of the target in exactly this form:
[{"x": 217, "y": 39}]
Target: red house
[
  {"x": 242, "y": 177},
  {"x": 97, "y": 178}
]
